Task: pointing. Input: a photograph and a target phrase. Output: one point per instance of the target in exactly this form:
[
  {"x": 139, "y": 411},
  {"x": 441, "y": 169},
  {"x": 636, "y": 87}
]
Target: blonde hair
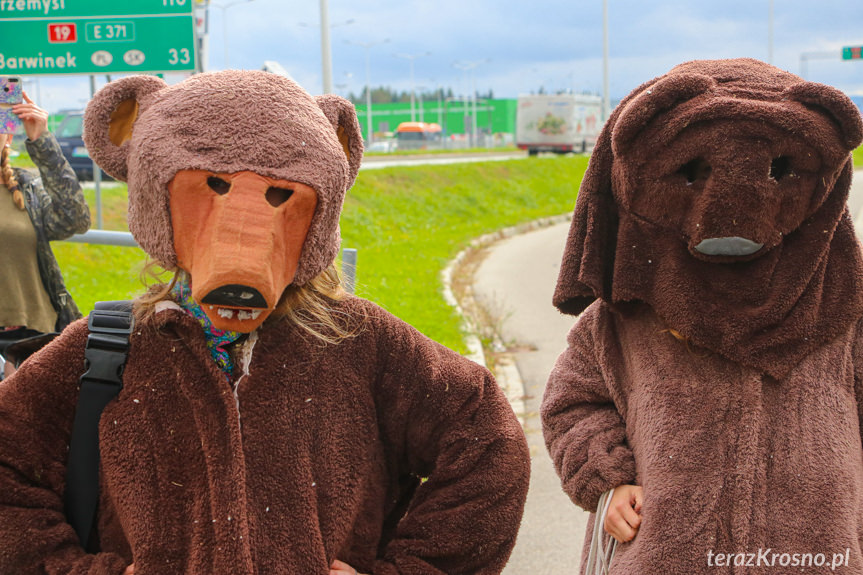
[
  {"x": 9, "y": 179},
  {"x": 309, "y": 307}
]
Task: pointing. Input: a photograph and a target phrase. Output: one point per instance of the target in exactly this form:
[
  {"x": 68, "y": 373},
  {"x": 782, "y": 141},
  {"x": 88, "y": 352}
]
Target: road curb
[{"x": 506, "y": 369}]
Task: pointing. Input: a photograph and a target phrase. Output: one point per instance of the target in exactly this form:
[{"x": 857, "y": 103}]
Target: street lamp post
[
  {"x": 326, "y": 54},
  {"x": 367, "y": 46},
  {"x": 440, "y": 106},
  {"x": 471, "y": 67},
  {"x": 224, "y": 9},
  {"x": 606, "y": 99},
  {"x": 412, "y": 57},
  {"x": 420, "y": 89},
  {"x": 439, "y": 97},
  {"x": 770, "y": 33}
]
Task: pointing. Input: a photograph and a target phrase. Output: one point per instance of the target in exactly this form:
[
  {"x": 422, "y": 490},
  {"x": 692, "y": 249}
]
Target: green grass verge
[
  {"x": 406, "y": 223},
  {"x": 93, "y": 272},
  {"x": 22, "y": 160}
]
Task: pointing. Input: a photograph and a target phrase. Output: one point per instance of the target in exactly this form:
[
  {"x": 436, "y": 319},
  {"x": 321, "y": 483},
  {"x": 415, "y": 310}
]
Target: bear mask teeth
[{"x": 241, "y": 314}]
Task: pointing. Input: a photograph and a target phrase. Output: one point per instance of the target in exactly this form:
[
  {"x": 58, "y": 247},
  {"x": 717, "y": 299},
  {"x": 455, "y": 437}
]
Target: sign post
[{"x": 96, "y": 36}]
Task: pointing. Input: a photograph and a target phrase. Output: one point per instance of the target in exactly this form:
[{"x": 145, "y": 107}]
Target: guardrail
[
  {"x": 109, "y": 238},
  {"x": 105, "y": 238}
]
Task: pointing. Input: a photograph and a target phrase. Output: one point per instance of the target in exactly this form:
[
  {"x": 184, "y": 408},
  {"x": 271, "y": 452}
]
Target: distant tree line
[
  {"x": 387, "y": 95},
  {"x": 559, "y": 91}
]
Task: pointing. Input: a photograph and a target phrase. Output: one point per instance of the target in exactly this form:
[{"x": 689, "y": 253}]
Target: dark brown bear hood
[{"x": 717, "y": 195}]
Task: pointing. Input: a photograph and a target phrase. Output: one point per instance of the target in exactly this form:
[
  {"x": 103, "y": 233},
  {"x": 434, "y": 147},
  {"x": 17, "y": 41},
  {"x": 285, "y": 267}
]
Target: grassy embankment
[
  {"x": 858, "y": 158},
  {"x": 406, "y": 224}
]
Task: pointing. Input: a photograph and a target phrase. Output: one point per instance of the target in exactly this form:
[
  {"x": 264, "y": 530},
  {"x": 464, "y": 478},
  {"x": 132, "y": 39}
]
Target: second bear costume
[
  {"x": 301, "y": 425},
  {"x": 719, "y": 361}
]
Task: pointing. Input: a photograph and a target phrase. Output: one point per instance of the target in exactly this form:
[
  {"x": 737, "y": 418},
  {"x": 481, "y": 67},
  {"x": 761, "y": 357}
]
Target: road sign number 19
[{"x": 62, "y": 33}]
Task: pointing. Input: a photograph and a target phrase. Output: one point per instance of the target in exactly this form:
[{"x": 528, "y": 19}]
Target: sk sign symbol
[{"x": 133, "y": 57}]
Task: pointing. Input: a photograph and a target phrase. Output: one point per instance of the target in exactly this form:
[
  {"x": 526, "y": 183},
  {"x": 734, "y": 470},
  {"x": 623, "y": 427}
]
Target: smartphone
[
  {"x": 11, "y": 90},
  {"x": 11, "y": 93}
]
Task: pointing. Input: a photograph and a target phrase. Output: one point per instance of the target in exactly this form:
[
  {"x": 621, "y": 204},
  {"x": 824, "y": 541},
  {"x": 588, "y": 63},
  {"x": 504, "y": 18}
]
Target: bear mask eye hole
[
  {"x": 278, "y": 196},
  {"x": 780, "y": 167},
  {"x": 697, "y": 169},
  {"x": 218, "y": 185}
]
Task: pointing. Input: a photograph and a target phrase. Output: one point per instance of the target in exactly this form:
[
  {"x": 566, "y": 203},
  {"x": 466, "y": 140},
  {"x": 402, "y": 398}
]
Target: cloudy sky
[{"x": 522, "y": 44}]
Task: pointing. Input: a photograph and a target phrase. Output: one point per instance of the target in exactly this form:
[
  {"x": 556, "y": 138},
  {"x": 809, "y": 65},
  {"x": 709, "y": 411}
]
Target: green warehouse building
[{"x": 495, "y": 119}]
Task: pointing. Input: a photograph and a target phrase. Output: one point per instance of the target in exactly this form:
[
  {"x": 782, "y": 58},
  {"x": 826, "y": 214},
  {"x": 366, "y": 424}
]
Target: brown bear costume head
[
  {"x": 717, "y": 195},
  {"x": 237, "y": 177}
]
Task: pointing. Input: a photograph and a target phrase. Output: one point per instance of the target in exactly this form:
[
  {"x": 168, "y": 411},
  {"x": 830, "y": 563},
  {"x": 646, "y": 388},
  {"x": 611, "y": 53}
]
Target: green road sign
[
  {"x": 848, "y": 52},
  {"x": 96, "y": 36}
]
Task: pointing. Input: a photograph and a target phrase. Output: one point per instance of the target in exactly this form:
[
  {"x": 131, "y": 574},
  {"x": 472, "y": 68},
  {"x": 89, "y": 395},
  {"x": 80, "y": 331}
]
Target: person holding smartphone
[{"x": 35, "y": 210}]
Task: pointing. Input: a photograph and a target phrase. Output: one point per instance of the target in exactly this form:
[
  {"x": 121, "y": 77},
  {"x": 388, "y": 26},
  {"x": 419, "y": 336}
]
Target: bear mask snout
[{"x": 731, "y": 246}]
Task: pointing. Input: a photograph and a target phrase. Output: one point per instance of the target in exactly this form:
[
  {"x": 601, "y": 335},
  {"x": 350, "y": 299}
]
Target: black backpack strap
[{"x": 110, "y": 324}]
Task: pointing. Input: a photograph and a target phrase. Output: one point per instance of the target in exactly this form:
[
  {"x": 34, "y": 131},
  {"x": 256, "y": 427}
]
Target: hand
[
  {"x": 34, "y": 118},
  {"x": 340, "y": 568},
  {"x": 130, "y": 570},
  {"x": 624, "y": 512}
]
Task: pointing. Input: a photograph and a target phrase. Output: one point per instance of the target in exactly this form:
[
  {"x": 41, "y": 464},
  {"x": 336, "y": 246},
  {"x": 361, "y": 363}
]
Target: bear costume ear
[
  {"x": 343, "y": 117},
  {"x": 665, "y": 94},
  {"x": 833, "y": 104},
  {"x": 110, "y": 118}
]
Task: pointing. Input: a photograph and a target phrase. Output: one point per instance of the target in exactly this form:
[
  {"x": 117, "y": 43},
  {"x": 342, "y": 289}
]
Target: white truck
[{"x": 561, "y": 123}]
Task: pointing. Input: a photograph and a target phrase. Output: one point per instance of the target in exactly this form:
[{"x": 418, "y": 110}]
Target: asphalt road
[{"x": 515, "y": 284}]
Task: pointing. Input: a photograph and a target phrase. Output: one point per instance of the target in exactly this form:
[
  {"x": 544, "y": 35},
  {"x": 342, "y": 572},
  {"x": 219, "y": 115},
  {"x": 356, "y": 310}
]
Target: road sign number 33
[{"x": 180, "y": 56}]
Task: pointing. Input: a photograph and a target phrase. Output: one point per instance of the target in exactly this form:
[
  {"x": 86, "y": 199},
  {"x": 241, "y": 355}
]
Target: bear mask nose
[
  {"x": 733, "y": 246},
  {"x": 235, "y": 295}
]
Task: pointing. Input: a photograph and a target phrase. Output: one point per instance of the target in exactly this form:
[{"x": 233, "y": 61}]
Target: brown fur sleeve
[
  {"x": 37, "y": 406},
  {"x": 446, "y": 420},
  {"x": 583, "y": 430}
]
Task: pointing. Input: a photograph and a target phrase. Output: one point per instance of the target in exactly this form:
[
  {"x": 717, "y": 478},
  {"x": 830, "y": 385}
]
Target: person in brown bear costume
[
  {"x": 714, "y": 377},
  {"x": 302, "y": 430}
]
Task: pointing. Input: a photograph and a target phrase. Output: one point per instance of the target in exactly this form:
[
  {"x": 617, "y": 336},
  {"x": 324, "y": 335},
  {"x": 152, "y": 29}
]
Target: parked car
[
  {"x": 69, "y": 136},
  {"x": 385, "y": 146}
]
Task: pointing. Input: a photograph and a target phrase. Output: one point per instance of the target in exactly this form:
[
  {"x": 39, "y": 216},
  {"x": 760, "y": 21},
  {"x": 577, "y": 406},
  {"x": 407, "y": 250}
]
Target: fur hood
[{"x": 717, "y": 195}]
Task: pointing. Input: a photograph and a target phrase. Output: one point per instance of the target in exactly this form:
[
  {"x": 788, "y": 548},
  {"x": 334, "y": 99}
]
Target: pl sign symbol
[
  {"x": 101, "y": 58},
  {"x": 96, "y": 36}
]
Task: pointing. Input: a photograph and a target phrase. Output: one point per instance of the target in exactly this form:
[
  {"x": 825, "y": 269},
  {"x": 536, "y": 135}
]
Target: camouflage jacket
[{"x": 58, "y": 210}]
